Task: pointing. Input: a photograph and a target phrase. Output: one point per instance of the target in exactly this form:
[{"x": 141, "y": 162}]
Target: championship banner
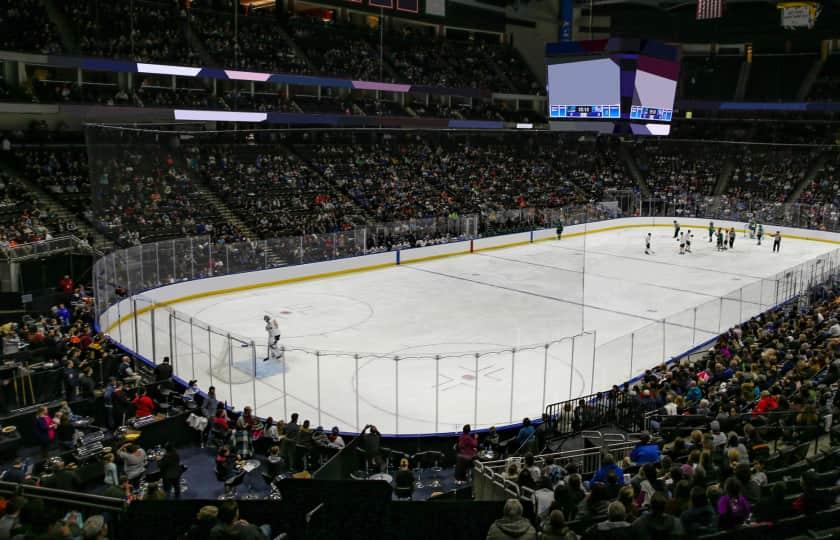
[{"x": 799, "y": 14}]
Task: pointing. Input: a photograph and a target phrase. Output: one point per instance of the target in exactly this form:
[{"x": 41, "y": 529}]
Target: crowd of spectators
[
  {"x": 25, "y": 26},
  {"x": 147, "y": 193},
  {"x": 731, "y": 433},
  {"x": 140, "y": 31},
  {"x": 21, "y": 220},
  {"x": 274, "y": 190}
]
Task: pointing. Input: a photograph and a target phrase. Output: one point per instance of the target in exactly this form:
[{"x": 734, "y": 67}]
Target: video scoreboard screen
[
  {"x": 629, "y": 82},
  {"x": 650, "y": 113},
  {"x": 584, "y": 111}
]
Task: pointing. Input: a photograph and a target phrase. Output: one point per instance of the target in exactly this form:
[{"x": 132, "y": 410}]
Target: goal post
[{"x": 232, "y": 364}]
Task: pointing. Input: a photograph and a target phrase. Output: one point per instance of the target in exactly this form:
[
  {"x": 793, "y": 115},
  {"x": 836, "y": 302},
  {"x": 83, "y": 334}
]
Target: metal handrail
[{"x": 74, "y": 498}]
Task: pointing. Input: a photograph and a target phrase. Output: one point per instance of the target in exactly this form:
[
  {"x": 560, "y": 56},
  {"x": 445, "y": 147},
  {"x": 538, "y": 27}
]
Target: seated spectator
[
  {"x": 205, "y": 521},
  {"x": 595, "y": 505},
  {"x": 569, "y": 497},
  {"x": 556, "y": 528},
  {"x": 645, "y": 451},
  {"x": 11, "y": 518},
  {"x": 608, "y": 465},
  {"x": 544, "y": 496},
  {"x": 95, "y": 528},
  {"x": 231, "y": 526},
  {"x": 334, "y": 438},
  {"x": 512, "y": 525},
  {"x": 655, "y": 523},
  {"x": 616, "y": 527},
  {"x": 814, "y": 499},
  {"x": 733, "y": 508},
  {"x": 404, "y": 477},
  {"x": 701, "y": 517}
]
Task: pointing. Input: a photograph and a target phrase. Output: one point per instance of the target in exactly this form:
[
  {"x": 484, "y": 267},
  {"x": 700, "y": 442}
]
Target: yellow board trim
[{"x": 380, "y": 266}]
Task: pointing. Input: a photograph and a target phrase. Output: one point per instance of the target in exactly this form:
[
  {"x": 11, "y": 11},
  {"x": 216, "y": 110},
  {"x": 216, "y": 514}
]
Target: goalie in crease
[{"x": 272, "y": 327}]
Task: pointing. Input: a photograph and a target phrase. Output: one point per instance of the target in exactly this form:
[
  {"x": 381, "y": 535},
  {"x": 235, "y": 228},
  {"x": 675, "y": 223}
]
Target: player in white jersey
[
  {"x": 648, "y": 251},
  {"x": 272, "y": 328},
  {"x": 681, "y": 240},
  {"x": 688, "y": 237}
]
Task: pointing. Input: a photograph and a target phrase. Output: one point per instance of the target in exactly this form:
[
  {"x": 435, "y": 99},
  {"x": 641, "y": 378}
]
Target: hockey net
[{"x": 232, "y": 363}]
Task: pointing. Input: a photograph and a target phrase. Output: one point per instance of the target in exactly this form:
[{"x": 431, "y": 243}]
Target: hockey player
[
  {"x": 752, "y": 229},
  {"x": 688, "y": 237},
  {"x": 720, "y": 245},
  {"x": 682, "y": 243},
  {"x": 759, "y": 233},
  {"x": 272, "y": 328},
  {"x": 676, "y": 229},
  {"x": 777, "y": 241},
  {"x": 711, "y": 231},
  {"x": 731, "y": 237},
  {"x": 648, "y": 251},
  {"x": 559, "y": 229}
]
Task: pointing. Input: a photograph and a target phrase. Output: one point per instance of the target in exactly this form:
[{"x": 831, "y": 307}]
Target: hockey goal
[{"x": 233, "y": 362}]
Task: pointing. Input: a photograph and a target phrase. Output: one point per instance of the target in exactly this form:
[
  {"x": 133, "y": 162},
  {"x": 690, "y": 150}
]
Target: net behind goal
[{"x": 232, "y": 362}]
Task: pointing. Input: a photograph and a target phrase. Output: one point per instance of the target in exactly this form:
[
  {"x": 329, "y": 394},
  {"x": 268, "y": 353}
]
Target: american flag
[{"x": 710, "y": 9}]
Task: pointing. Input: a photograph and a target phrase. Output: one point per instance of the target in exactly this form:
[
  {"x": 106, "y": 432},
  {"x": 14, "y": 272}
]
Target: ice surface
[{"x": 492, "y": 303}]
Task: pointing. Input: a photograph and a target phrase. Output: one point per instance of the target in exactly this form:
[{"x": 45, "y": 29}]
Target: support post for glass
[
  {"x": 396, "y": 394},
  {"x": 230, "y": 369},
  {"x": 572, "y": 368},
  {"x": 172, "y": 348},
  {"x": 192, "y": 351},
  {"x": 254, "y": 378},
  {"x": 740, "y": 305},
  {"x": 437, "y": 392},
  {"x": 157, "y": 265},
  {"x": 545, "y": 373},
  {"x": 318, "y": 384},
  {"x": 154, "y": 339},
  {"x": 694, "y": 328},
  {"x": 135, "y": 323},
  {"x": 632, "y": 346},
  {"x": 210, "y": 354},
  {"x": 664, "y": 353},
  {"x": 285, "y": 403},
  {"x": 512, "y": 379},
  {"x": 592, "y": 377},
  {"x": 475, "y": 395},
  {"x": 119, "y": 323},
  {"x": 356, "y": 388},
  {"x": 720, "y": 315}
]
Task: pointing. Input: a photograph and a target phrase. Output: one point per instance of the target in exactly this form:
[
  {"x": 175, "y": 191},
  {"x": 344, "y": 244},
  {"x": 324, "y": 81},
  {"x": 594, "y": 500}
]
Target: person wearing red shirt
[
  {"x": 466, "y": 448},
  {"x": 143, "y": 404},
  {"x": 66, "y": 285},
  {"x": 767, "y": 403}
]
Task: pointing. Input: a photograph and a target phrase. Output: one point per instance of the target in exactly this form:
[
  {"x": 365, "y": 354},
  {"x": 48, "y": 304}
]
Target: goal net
[{"x": 232, "y": 362}]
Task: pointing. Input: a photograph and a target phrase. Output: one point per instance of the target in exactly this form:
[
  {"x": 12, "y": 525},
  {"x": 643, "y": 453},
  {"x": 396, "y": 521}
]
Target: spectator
[
  {"x": 143, "y": 404},
  {"x": 645, "y": 451},
  {"x": 11, "y": 518},
  {"x": 134, "y": 462},
  {"x": 205, "y": 521},
  {"x": 733, "y": 508},
  {"x": 655, "y": 523},
  {"x": 404, "y": 477},
  {"x": 701, "y": 517},
  {"x": 208, "y": 407},
  {"x": 556, "y": 528},
  {"x": 170, "y": 470},
  {"x": 111, "y": 476},
  {"x": 525, "y": 433},
  {"x": 44, "y": 430},
  {"x": 467, "y": 447},
  {"x": 163, "y": 371},
  {"x": 231, "y": 526},
  {"x": 95, "y": 528},
  {"x": 512, "y": 525},
  {"x": 608, "y": 465},
  {"x": 616, "y": 527}
]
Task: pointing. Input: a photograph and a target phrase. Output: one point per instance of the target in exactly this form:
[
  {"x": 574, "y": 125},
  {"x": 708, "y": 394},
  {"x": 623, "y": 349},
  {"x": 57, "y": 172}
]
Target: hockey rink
[{"x": 397, "y": 347}]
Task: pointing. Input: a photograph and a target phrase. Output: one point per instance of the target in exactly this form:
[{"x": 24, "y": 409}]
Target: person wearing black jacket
[
  {"x": 163, "y": 371},
  {"x": 170, "y": 470}
]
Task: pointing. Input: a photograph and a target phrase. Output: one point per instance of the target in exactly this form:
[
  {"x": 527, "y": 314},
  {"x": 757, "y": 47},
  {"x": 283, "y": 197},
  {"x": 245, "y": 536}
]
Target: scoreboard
[
  {"x": 650, "y": 113},
  {"x": 616, "y": 85},
  {"x": 585, "y": 111}
]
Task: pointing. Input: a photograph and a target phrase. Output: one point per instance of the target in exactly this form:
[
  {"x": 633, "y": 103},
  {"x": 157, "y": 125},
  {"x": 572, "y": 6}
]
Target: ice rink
[{"x": 396, "y": 347}]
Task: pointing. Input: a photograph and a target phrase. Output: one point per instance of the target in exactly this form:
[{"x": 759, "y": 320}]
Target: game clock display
[
  {"x": 650, "y": 113},
  {"x": 584, "y": 111}
]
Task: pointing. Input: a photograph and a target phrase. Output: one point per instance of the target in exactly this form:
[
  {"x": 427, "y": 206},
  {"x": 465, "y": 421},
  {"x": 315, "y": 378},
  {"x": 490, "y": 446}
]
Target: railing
[
  {"x": 489, "y": 484},
  {"x": 45, "y": 248}
]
